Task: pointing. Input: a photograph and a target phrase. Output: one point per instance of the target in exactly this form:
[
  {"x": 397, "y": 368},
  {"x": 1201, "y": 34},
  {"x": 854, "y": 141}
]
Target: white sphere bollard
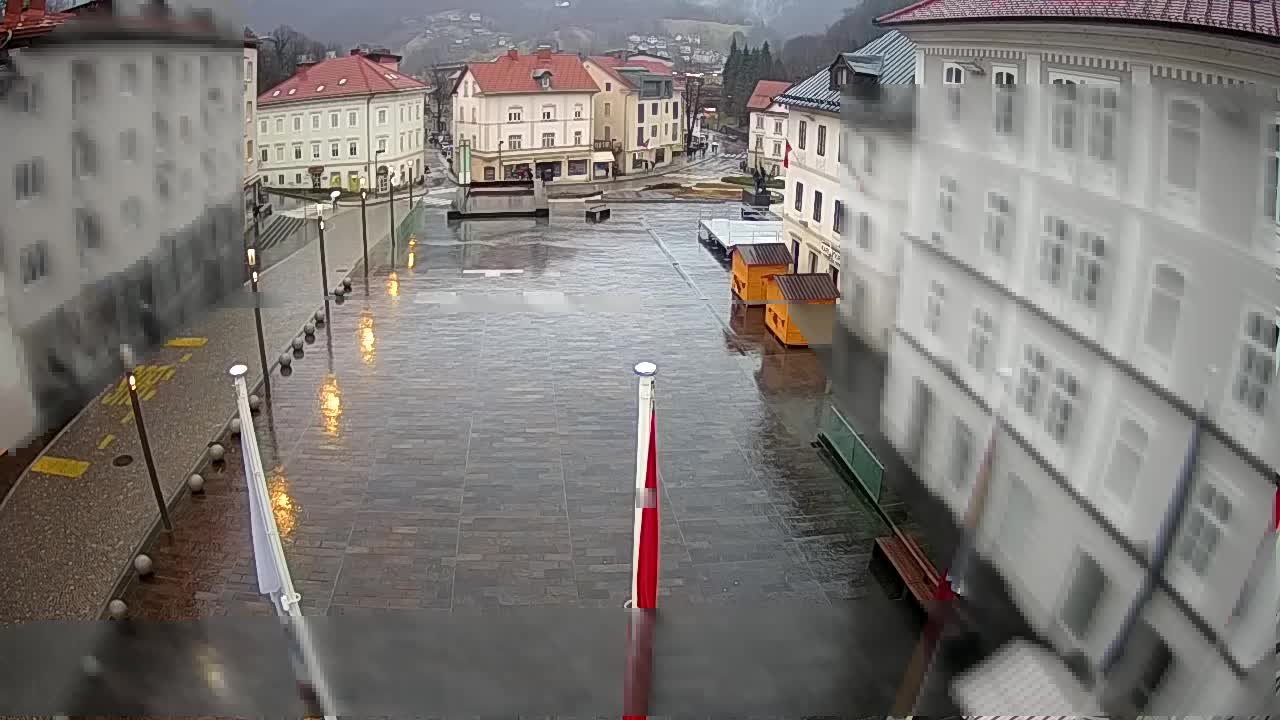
[
  {"x": 118, "y": 609},
  {"x": 143, "y": 565},
  {"x": 235, "y": 426},
  {"x": 298, "y": 342},
  {"x": 286, "y": 359},
  {"x": 346, "y": 284},
  {"x": 309, "y": 328},
  {"x": 195, "y": 483},
  {"x": 319, "y": 317},
  {"x": 255, "y": 402},
  {"x": 90, "y": 666},
  {"x": 217, "y": 452}
]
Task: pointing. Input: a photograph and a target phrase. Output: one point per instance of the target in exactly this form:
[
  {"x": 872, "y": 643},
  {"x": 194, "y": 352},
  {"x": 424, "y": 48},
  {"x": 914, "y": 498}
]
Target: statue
[{"x": 761, "y": 180}]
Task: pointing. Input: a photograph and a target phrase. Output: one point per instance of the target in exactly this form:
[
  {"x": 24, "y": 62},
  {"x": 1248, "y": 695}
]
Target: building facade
[
  {"x": 638, "y": 111},
  {"x": 253, "y": 196},
  {"x": 340, "y": 121},
  {"x": 1088, "y": 267},
  {"x": 121, "y": 214},
  {"x": 767, "y": 140},
  {"x": 526, "y": 114}
]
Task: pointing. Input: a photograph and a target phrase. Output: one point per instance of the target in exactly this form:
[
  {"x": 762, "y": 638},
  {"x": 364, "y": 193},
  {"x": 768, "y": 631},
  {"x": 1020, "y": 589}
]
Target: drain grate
[{"x": 122, "y": 460}]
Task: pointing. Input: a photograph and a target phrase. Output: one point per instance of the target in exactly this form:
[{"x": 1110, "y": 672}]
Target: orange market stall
[
  {"x": 753, "y": 264},
  {"x": 801, "y": 308}
]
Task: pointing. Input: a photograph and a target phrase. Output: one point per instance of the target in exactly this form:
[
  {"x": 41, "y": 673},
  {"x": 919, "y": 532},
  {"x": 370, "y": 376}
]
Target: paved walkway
[
  {"x": 71, "y": 524},
  {"x": 469, "y": 444}
]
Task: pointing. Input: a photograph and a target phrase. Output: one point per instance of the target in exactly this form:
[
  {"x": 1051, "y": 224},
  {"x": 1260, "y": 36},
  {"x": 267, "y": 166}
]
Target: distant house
[{"x": 476, "y": 17}]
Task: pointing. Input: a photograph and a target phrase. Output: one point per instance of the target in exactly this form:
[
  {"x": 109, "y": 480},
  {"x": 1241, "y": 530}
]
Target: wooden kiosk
[
  {"x": 752, "y": 264},
  {"x": 801, "y": 302}
]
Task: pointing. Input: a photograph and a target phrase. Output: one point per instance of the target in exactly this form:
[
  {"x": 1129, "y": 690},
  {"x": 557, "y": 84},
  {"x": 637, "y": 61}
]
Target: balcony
[{"x": 606, "y": 145}]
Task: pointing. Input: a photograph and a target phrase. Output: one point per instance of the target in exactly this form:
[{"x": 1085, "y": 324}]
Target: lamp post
[
  {"x": 391, "y": 185},
  {"x": 252, "y": 254},
  {"x": 500, "y": 170},
  {"x": 126, "y": 354},
  {"x": 364, "y": 236}
]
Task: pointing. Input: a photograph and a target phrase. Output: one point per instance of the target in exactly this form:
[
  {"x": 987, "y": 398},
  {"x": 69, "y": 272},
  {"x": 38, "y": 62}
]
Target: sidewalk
[
  {"x": 667, "y": 169},
  {"x": 73, "y": 521}
]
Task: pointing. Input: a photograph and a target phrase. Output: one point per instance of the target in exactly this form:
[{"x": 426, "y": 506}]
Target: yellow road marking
[
  {"x": 63, "y": 467},
  {"x": 106, "y": 441},
  {"x": 148, "y": 378},
  {"x": 184, "y": 358},
  {"x": 189, "y": 342},
  {"x": 126, "y": 419}
]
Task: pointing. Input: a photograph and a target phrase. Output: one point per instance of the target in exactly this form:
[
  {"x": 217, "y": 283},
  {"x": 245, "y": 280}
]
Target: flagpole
[{"x": 274, "y": 579}]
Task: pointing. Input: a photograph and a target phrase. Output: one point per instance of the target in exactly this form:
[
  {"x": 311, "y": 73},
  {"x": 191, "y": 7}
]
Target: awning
[{"x": 602, "y": 156}]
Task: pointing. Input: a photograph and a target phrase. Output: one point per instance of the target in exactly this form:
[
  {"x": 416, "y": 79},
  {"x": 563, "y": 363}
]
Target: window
[
  {"x": 799, "y": 197},
  {"x": 577, "y": 113},
  {"x": 515, "y": 114},
  {"x": 608, "y": 109},
  {"x": 129, "y": 146},
  {"x": 129, "y": 79},
  {"x": 513, "y": 142},
  {"x": 1031, "y": 380},
  {"x": 675, "y": 109},
  {"x": 490, "y": 174},
  {"x": 640, "y": 136},
  {"x": 382, "y": 115},
  {"x": 864, "y": 231},
  {"x": 1102, "y": 123},
  {"x": 1167, "y": 286},
  {"x": 1206, "y": 523},
  {"x": 334, "y": 149},
  {"x": 282, "y": 179},
  {"x": 640, "y": 112},
  {"x": 265, "y": 156},
  {"x": 160, "y": 75},
  {"x": 297, "y": 152},
  {"x": 297, "y": 123},
  {"x": 953, "y": 77},
  {"x": 1257, "y": 362},
  {"x": 1064, "y": 114},
  {"x": 961, "y": 453},
  {"x": 577, "y": 167},
  {"x": 353, "y": 148},
  {"x": 1271, "y": 174},
  {"x": 1126, "y": 461},
  {"x": 279, "y": 125},
  {"x": 1053, "y": 249},
  {"x": 401, "y": 142},
  {"x": 315, "y": 121},
  {"x": 1066, "y": 392},
  {"x": 817, "y": 206},
  {"x": 653, "y": 109},
  {"x": 777, "y": 148},
  {"x": 131, "y": 213},
  {"x": 1184, "y": 145},
  {"x": 822, "y": 141},
  {"x": 35, "y": 262},
  {"x": 838, "y": 212},
  {"x": 88, "y": 234},
  {"x": 777, "y": 127},
  {"x": 577, "y": 139},
  {"x": 184, "y": 128},
  {"x": 334, "y": 120},
  {"x": 1014, "y": 534},
  {"x": 280, "y": 153},
  {"x": 835, "y": 275},
  {"x": 869, "y": 151},
  {"x": 402, "y": 117},
  {"x": 382, "y": 144},
  {"x": 981, "y": 333},
  {"x": 1005, "y": 81},
  {"x": 795, "y": 253},
  {"x": 315, "y": 151},
  {"x": 28, "y": 179},
  {"x": 262, "y": 127},
  {"x": 999, "y": 223},
  {"x": 759, "y": 122},
  {"x": 1084, "y": 595},
  {"x": 1088, "y": 255},
  {"x": 548, "y": 112},
  {"x": 802, "y": 135},
  {"x": 608, "y": 87},
  {"x": 813, "y": 261},
  {"x": 548, "y": 140},
  {"x": 933, "y": 307},
  {"x": 1139, "y": 674},
  {"x": 946, "y": 202},
  {"x": 353, "y": 118},
  {"x": 84, "y": 155},
  {"x": 653, "y": 132},
  {"x": 759, "y": 143}
]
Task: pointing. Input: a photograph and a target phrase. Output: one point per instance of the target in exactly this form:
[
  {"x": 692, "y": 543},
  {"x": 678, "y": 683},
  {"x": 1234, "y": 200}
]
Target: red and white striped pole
[{"x": 644, "y": 555}]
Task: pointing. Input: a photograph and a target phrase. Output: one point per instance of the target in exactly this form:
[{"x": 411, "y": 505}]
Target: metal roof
[
  {"x": 897, "y": 66},
  {"x": 807, "y": 287},
  {"x": 764, "y": 254}
]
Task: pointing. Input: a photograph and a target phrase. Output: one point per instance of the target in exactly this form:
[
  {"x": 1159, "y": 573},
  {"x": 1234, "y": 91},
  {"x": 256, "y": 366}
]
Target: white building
[
  {"x": 526, "y": 113},
  {"x": 1094, "y": 209},
  {"x": 338, "y": 121},
  {"x": 766, "y": 145},
  {"x": 252, "y": 182},
  {"x": 120, "y": 212}
]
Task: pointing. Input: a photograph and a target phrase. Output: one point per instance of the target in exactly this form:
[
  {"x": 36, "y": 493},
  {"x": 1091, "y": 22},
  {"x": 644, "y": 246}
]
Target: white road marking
[{"x": 493, "y": 273}]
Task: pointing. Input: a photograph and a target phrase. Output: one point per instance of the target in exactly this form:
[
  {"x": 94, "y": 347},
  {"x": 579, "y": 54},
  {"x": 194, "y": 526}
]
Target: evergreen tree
[
  {"x": 766, "y": 63},
  {"x": 729, "y": 78}
]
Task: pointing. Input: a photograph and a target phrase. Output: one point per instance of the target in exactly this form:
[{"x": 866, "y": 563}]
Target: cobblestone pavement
[{"x": 469, "y": 443}]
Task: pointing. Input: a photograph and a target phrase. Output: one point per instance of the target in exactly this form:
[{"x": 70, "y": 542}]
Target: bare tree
[{"x": 692, "y": 106}]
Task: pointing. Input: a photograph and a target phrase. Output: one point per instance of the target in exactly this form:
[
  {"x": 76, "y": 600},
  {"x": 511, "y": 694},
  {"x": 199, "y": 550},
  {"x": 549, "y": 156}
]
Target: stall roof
[
  {"x": 730, "y": 233},
  {"x": 765, "y": 254},
  {"x": 807, "y": 287}
]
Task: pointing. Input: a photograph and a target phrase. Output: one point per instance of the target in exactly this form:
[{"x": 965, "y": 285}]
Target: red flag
[
  {"x": 647, "y": 556},
  {"x": 786, "y": 158}
]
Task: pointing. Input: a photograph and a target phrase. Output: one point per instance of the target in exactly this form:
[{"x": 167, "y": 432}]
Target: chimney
[
  {"x": 355, "y": 51},
  {"x": 330, "y": 55},
  {"x": 305, "y": 62},
  {"x": 514, "y": 54},
  {"x": 544, "y": 52}
]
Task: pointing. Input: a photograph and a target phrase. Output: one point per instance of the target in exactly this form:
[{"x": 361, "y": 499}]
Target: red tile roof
[
  {"x": 513, "y": 73},
  {"x": 1250, "y": 17},
  {"x": 609, "y": 64},
  {"x": 31, "y": 23},
  {"x": 339, "y": 77},
  {"x": 766, "y": 90},
  {"x": 806, "y": 287}
]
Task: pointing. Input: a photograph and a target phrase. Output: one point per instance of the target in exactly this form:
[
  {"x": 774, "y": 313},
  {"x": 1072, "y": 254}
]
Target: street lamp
[
  {"x": 130, "y": 364},
  {"x": 500, "y": 170},
  {"x": 364, "y": 236},
  {"x": 391, "y": 185},
  {"x": 252, "y": 255}
]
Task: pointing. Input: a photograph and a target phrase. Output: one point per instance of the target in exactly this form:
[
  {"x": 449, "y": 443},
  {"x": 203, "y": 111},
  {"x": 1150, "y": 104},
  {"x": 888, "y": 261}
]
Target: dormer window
[
  {"x": 842, "y": 77},
  {"x": 545, "y": 81}
]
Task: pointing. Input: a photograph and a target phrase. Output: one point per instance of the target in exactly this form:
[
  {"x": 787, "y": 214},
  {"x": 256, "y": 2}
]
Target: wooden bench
[
  {"x": 914, "y": 573},
  {"x": 598, "y": 213}
]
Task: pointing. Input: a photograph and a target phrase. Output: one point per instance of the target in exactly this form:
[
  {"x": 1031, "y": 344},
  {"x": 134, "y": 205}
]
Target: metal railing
[{"x": 848, "y": 446}]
